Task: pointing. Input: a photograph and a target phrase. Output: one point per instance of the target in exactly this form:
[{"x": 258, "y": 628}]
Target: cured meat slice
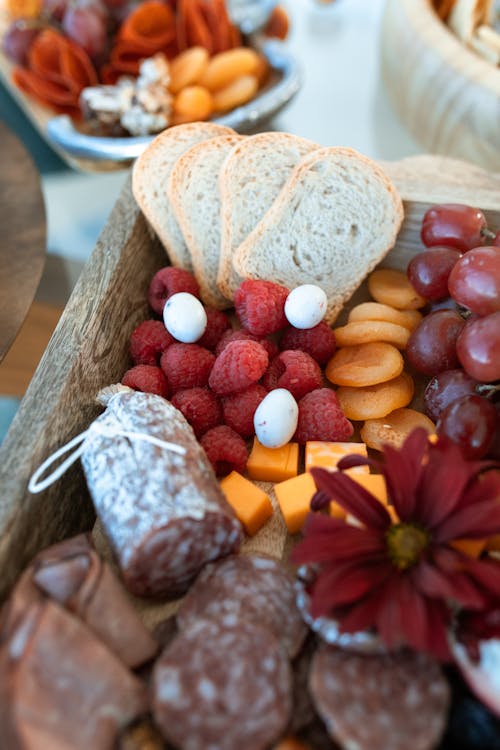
[
  {"x": 222, "y": 686},
  {"x": 390, "y": 701},
  {"x": 60, "y": 687},
  {"x": 244, "y": 587},
  {"x": 72, "y": 574},
  {"x": 163, "y": 512}
]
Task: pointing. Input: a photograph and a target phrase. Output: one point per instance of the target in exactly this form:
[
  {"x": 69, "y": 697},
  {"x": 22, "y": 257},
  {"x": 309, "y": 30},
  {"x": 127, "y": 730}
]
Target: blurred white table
[{"x": 342, "y": 102}]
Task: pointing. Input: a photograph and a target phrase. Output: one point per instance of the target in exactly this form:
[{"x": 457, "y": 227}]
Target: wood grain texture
[
  {"x": 89, "y": 349},
  {"x": 23, "y": 238},
  {"x": 446, "y": 95}
]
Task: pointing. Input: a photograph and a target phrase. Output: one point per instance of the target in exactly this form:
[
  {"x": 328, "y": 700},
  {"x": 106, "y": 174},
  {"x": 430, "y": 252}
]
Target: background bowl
[{"x": 445, "y": 94}]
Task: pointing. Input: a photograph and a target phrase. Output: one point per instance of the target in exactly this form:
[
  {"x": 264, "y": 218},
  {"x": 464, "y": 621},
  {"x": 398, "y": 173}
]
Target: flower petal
[
  {"x": 345, "y": 584},
  {"x": 402, "y": 470},
  {"x": 348, "y": 543},
  {"x": 362, "y": 615},
  {"x": 352, "y": 497},
  {"x": 356, "y": 459},
  {"x": 473, "y": 521},
  {"x": 456, "y": 587},
  {"x": 439, "y": 618},
  {"x": 443, "y": 481},
  {"x": 485, "y": 573}
]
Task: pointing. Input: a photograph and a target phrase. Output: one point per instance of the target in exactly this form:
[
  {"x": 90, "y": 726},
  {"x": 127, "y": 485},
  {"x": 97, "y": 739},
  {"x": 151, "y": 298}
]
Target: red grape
[
  {"x": 428, "y": 272},
  {"x": 475, "y": 280},
  {"x": 17, "y": 41},
  {"x": 453, "y": 224},
  {"x": 444, "y": 388},
  {"x": 432, "y": 345},
  {"x": 471, "y": 423},
  {"x": 86, "y": 25},
  {"x": 478, "y": 348}
]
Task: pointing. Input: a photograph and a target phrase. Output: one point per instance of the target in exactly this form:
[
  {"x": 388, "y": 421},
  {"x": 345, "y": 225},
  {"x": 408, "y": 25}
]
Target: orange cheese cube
[
  {"x": 470, "y": 547},
  {"x": 251, "y": 504},
  {"x": 273, "y": 464},
  {"x": 375, "y": 484},
  {"x": 327, "y": 455},
  {"x": 294, "y": 498}
]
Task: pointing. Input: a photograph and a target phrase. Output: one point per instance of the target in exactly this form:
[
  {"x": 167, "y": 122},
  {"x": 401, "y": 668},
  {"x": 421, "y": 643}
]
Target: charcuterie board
[{"x": 89, "y": 350}]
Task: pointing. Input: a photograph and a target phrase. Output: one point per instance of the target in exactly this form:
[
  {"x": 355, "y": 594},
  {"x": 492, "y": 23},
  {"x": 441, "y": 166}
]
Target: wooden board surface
[
  {"x": 23, "y": 235},
  {"x": 89, "y": 350}
]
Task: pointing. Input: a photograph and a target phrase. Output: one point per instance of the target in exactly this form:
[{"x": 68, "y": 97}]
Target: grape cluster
[{"x": 458, "y": 342}]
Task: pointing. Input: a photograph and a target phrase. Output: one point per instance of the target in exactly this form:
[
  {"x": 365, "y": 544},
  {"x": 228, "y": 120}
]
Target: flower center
[{"x": 405, "y": 542}]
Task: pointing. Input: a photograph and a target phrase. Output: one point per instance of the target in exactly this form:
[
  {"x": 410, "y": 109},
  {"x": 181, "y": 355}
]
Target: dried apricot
[
  {"x": 376, "y": 401},
  {"x": 187, "y": 68},
  {"x": 365, "y": 364},
  {"x": 394, "y": 428},
  {"x": 238, "y": 92},
  {"x": 226, "y": 67},
  {"x": 191, "y": 104},
  {"x": 391, "y": 287},
  {"x": 366, "y": 331},
  {"x": 376, "y": 311}
]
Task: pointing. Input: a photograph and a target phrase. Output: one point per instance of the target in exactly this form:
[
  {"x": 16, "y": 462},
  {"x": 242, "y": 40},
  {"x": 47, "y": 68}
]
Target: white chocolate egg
[
  {"x": 185, "y": 317},
  {"x": 305, "y": 306},
  {"x": 275, "y": 419}
]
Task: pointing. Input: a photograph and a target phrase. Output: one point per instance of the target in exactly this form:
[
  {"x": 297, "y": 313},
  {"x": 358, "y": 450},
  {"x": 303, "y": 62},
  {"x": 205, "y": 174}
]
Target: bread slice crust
[
  {"x": 193, "y": 191},
  {"x": 150, "y": 176},
  {"x": 334, "y": 220}
]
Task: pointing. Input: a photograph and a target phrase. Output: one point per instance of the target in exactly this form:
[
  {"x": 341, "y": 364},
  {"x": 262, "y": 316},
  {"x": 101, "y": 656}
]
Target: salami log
[
  {"x": 392, "y": 701},
  {"x": 163, "y": 511},
  {"x": 72, "y": 574},
  {"x": 247, "y": 587},
  {"x": 60, "y": 687},
  {"x": 222, "y": 686}
]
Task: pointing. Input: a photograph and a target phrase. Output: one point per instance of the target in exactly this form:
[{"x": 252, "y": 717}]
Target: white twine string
[{"x": 97, "y": 428}]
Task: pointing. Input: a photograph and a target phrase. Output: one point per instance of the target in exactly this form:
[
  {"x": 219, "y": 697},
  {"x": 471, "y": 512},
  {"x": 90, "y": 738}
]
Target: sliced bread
[
  {"x": 194, "y": 195},
  {"x": 336, "y": 217},
  {"x": 151, "y": 173},
  {"x": 249, "y": 182}
]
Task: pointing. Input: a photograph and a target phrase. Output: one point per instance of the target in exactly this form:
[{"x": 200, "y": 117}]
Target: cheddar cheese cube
[
  {"x": 251, "y": 504},
  {"x": 327, "y": 455},
  {"x": 273, "y": 464},
  {"x": 294, "y": 498}
]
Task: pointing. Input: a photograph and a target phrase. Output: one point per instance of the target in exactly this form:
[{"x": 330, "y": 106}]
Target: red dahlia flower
[{"x": 404, "y": 578}]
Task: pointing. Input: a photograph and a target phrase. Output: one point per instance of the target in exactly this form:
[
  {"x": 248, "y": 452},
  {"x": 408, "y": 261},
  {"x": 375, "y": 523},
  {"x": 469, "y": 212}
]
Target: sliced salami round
[
  {"x": 390, "y": 701},
  {"x": 222, "y": 686},
  {"x": 247, "y": 587}
]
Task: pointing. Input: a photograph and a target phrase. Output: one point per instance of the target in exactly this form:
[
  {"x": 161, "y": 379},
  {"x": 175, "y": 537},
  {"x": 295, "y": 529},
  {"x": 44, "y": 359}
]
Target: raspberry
[
  {"x": 241, "y": 364},
  {"x": 148, "y": 342},
  {"x": 296, "y": 371},
  {"x": 238, "y": 409},
  {"x": 260, "y": 306},
  {"x": 225, "y": 449},
  {"x": 318, "y": 342},
  {"x": 201, "y": 408},
  {"x": 240, "y": 334},
  {"x": 321, "y": 418},
  {"x": 186, "y": 366},
  {"x": 217, "y": 325},
  {"x": 146, "y": 378},
  {"x": 168, "y": 281}
]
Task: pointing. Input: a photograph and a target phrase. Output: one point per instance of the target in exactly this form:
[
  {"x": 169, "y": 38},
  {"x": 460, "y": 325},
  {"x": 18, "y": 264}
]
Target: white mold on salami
[
  {"x": 246, "y": 587},
  {"x": 163, "y": 513},
  {"x": 222, "y": 687},
  {"x": 392, "y": 701}
]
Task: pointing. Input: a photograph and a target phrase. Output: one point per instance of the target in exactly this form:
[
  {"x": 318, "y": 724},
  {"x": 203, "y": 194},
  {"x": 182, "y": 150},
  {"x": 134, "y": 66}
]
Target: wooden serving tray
[{"x": 89, "y": 349}]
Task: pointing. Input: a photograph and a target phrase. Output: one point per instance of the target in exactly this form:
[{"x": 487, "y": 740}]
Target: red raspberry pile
[{"x": 218, "y": 382}]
